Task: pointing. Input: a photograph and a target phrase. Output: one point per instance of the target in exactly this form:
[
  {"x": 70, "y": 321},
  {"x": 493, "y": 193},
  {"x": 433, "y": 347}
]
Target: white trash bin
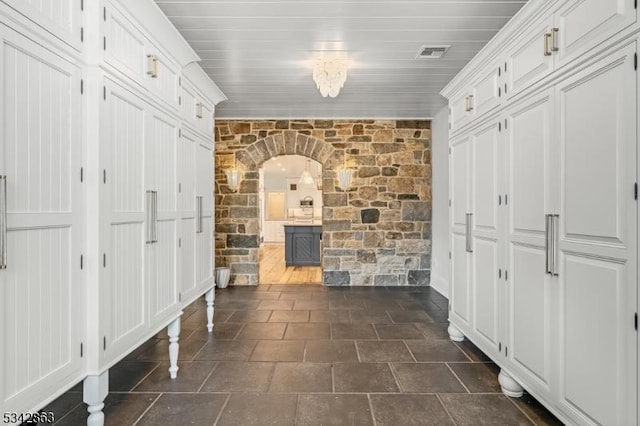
[{"x": 222, "y": 277}]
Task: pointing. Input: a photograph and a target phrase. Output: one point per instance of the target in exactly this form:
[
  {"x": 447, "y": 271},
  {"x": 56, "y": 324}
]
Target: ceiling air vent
[{"x": 432, "y": 52}]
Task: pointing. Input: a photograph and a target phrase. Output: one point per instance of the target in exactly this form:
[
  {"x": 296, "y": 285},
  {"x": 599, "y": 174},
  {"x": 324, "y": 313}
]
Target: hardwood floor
[{"x": 274, "y": 271}]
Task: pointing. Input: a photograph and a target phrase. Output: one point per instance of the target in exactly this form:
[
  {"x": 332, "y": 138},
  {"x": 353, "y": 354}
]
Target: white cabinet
[
  {"x": 41, "y": 202},
  {"x": 544, "y": 215},
  {"x": 597, "y": 239},
  {"x": 60, "y": 18},
  {"x": 196, "y": 109},
  {"x": 482, "y": 97}
]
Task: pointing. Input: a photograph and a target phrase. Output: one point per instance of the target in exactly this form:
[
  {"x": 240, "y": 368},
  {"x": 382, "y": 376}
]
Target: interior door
[
  {"x": 597, "y": 270},
  {"x": 40, "y": 277},
  {"x": 459, "y": 181},
  {"x": 532, "y": 156}
]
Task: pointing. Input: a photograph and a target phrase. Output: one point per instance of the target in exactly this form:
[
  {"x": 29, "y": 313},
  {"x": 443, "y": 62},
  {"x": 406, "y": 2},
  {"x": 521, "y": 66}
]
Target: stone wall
[{"x": 378, "y": 232}]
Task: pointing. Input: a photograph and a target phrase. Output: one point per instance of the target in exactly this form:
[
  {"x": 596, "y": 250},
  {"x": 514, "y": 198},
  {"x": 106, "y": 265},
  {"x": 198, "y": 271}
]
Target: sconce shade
[
  {"x": 344, "y": 178},
  {"x": 233, "y": 179}
]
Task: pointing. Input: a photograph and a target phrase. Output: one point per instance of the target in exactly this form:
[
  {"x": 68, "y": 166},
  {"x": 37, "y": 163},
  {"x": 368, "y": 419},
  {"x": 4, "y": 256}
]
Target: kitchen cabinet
[
  {"x": 302, "y": 245},
  {"x": 544, "y": 214}
]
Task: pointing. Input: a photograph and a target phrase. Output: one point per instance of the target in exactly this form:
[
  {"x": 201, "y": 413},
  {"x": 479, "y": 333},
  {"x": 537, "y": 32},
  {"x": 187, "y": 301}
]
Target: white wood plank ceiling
[{"x": 260, "y": 52}]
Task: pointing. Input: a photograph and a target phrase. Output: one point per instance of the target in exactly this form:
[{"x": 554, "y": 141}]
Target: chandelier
[
  {"x": 306, "y": 178},
  {"x": 330, "y": 75}
]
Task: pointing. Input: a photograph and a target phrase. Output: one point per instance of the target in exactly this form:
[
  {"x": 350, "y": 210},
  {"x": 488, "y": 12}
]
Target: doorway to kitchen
[{"x": 290, "y": 200}]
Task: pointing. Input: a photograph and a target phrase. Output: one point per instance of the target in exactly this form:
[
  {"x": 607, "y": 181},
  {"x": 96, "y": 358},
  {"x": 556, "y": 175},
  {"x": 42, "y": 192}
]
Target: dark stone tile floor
[{"x": 310, "y": 355}]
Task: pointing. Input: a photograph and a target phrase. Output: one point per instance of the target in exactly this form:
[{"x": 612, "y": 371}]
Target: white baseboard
[{"x": 440, "y": 284}]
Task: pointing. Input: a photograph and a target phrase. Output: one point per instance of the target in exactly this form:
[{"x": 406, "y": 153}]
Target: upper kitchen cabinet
[
  {"x": 198, "y": 96},
  {"x": 481, "y": 97},
  {"x": 572, "y": 30},
  {"x": 132, "y": 54},
  {"x": 61, "y": 18}
]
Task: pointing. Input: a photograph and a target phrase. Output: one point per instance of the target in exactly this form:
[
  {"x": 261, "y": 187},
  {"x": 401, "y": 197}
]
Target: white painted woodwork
[
  {"x": 187, "y": 158},
  {"x": 485, "y": 93},
  {"x": 585, "y": 24},
  {"x": 204, "y": 240},
  {"x": 260, "y": 53},
  {"x": 532, "y": 157},
  {"x": 598, "y": 239},
  {"x": 40, "y": 290},
  {"x": 568, "y": 147},
  {"x": 61, "y": 18},
  {"x": 485, "y": 148}
]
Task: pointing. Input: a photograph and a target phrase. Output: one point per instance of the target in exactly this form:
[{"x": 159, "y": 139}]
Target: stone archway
[{"x": 377, "y": 233}]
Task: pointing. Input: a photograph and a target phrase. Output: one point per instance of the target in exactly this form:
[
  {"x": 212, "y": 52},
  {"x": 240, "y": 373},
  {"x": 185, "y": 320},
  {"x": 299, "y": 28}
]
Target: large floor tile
[
  {"x": 239, "y": 377},
  {"x": 329, "y": 316},
  {"x": 280, "y": 305},
  {"x": 364, "y": 378},
  {"x": 258, "y": 331},
  {"x": 125, "y": 375},
  {"x": 478, "y": 377},
  {"x": 289, "y": 316},
  {"x": 334, "y": 410},
  {"x": 436, "y": 350},
  {"x": 259, "y": 410},
  {"x": 249, "y": 316},
  {"x": 398, "y": 331},
  {"x": 278, "y": 350},
  {"x": 119, "y": 409},
  {"x": 184, "y": 409},
  {"x": 341, "y": 331},
  {"x": 309, "y": 331},
  {"x": 369, "y": 317},
  {"x": 226, "y": 350},
  {"x": 330, "y": 351},
  {"x": 478, "y": 409},
  {"x": 427, "y": 378},
  {"x": 410, "y": 317},
  {"x": 409, "y": 410},
  {"x": 301, "y": 377},
  {"x": 383, "y": 351}
]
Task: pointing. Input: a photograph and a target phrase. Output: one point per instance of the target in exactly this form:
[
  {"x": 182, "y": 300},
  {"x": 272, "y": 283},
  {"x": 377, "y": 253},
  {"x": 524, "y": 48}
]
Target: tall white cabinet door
[
  {"x": 40, "y": 288},
  {"x": 533, "y": 194},
  {"x": 161, "y": 153},
  {"x": 485, "y": 260},
  {"x": 123, "y": 132},
  {"x": 204, "y": 238},
  {"x": 597, "y": 240},
  {"x": 460, "y": 184},
  {"x": 187, "y": 157}
]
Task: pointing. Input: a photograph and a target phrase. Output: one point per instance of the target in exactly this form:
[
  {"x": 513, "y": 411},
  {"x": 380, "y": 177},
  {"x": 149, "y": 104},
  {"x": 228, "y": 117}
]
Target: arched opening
[{"x": 290, "y": 209}]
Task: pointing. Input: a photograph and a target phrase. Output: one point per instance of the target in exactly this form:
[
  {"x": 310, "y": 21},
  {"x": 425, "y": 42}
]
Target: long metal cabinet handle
[
  {"x": 555, "y": 221},
  {"x": 547, "y": 243},
  {"x": 149, "y": 216},
  {"x": 3, "y": 222},
  {"x": 547, "y": 51},
  {"x": 471, "y": 102},
  {"x": 468, "y": 232},
  {"x": 554, "y": 39},
  {"x": 199, "y": 213},
  {"x": 155, "y": 217}
]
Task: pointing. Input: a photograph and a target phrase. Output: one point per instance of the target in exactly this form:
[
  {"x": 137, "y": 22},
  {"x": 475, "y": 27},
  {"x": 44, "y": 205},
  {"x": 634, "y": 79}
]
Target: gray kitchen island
[{"x": 302, "y": 244}]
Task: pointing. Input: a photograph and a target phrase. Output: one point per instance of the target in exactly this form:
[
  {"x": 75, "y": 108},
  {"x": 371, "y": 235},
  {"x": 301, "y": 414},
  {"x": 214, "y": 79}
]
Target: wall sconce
[
  {"x": 344, "y": 178},
  {"x": 233, "y": 179}
]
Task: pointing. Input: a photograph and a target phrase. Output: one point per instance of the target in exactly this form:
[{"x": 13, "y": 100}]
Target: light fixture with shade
[
  {"x": 233, "y": 179},
  {"x": 306, "y": 178},
  {"x": 344, "y": 178},
  {"x": 330, "y": 74}
]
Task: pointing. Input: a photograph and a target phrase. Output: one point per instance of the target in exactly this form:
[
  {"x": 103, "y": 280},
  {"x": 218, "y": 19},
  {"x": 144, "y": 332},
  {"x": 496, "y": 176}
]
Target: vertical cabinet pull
[
  {"x": 152, "y": 217},
  {"x": 199, "y": 108},
  {"x": 554, "y": 39},
  {"x": 468, "y": 232},
  {"x": 547, "y": 49},
  {"x": 152, "y": 66},
  {"x": 3, "y": 222},
  {"x": 470, "y": 103},
  {"x": 199, "y": 214},
  {"x": 551, "y": 233}
]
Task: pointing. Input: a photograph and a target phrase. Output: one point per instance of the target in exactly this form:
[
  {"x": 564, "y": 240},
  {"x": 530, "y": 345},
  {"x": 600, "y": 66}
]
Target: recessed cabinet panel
[
  {"x": 161, "y": 262},
  {"x": 600, "y": 156},
  {"x": 531, "y": 310},
  {"x": 188, "y": 247},
  {"x": 460, "y": 279},
  {"x": 485, "y": 267},
  {"x": 596, "y": 332},
  {"x": 124, "y": 45},
  {"x": 41, "y": 282},
  {"x": 527, "y": 62},
  {"x": 584, "y": 24},
  {"x": 459, "y": 114},
  {"x": 460, "y": 170},
  {"x": 485, "y": 179},
  {"x": 485, "y": 94},
  {"x": 62, "y": 18},
  {"x": 187, "y": 153}
]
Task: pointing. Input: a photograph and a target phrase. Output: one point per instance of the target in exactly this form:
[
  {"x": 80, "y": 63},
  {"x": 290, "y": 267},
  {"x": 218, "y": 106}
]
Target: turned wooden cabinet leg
[
  {"x": 95, "y": 390},
  {"x": 509, "y": 386},
  {"x": 455, "y": 334},
  {"x": 173, "y": 330},
  {"x": 210, "y": 297}
]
